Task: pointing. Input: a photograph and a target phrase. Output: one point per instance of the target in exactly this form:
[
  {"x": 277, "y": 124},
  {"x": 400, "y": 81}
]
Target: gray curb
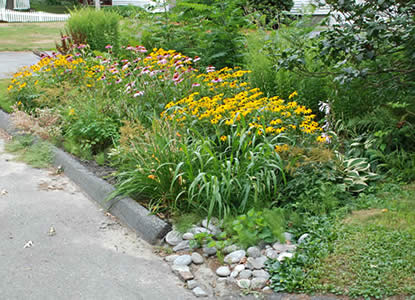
[{"x": 149, "y": 227}]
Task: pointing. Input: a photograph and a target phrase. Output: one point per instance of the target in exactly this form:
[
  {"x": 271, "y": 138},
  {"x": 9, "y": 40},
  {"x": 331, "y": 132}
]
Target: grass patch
[
  {"x": 38, "y": 155},
  {"x": 54, "y": 9},
  {"x": 28, "y": 36},
  {"x": 374, "y": 255},
  {"x": 5, "y": 102},
  {"x": 184, "y": 222}
]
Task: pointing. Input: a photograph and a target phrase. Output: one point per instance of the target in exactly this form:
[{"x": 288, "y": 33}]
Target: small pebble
[
  {"x": 234, "y": 257},
  {"x": 191, "y": 284},
  {"x": 198, "y": 292},
  {"x": 171, "y": 258}
]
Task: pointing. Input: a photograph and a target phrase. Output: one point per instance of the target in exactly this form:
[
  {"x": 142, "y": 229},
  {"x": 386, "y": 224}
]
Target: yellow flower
[
  {"x": 223, "y": 138},
  {"x": 71, "y": 112},
  {"x": 151, "y": 177},
  {"x": 293, "y": 95}
]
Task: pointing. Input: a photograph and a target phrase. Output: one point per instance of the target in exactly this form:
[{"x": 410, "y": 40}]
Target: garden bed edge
[{"x": 149, "y": 227}]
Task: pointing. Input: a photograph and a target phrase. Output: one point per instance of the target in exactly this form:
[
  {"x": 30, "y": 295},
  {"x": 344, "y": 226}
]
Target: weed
[{"x": 37, "y": 154}]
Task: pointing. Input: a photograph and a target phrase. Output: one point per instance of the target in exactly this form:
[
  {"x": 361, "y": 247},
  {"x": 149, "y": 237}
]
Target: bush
[
  {"x": 101, "y": 28},
  {"x": 210, "y": 31},
  {"x": 129, "y": 11}
]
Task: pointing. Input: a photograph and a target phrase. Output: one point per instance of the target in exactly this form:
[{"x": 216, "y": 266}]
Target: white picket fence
[{"x": 8, "y": 15}]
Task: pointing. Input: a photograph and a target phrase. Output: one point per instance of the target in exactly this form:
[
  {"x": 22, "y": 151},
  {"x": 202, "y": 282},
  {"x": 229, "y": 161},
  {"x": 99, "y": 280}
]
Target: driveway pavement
[
  {"x": 57, "y": 244},
  {"x": 10, "y": 62}
]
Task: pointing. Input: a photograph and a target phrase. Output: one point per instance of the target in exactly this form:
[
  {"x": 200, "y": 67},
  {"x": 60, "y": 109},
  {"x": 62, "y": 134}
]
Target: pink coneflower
[
  {"x": 217, "y": 80},
  {"x": 118, "y": 80},
  {"x": 136, "y": 60},
  {"x": 197, "y": 58},
  {"x": 129, "y": 48},
  {"x": 125, "y": 66},
  {"x": 138, "y": 93},
  {"x": 196, "y": 84},
  {"x": 210, "y": 69},
  {"x": 81, "y": 46},
  {"x": 108, "y": 47},
  {"x": 98, "y": 57},
  {"x": 141, "y": 49},
  {"x": 124, "y": 60}
]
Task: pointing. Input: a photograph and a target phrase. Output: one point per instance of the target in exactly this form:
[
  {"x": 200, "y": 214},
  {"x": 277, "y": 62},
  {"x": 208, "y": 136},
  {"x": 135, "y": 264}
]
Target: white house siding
[
  {"x": 140, "y": 3},
  {"x": 302, "y": 7},
  {"x": 21, "y": 4},
  {"x": 17, "y": 4}
]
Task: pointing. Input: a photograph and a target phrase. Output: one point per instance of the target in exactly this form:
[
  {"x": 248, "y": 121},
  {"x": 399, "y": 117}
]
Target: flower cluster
[{"x": 230, "y": 101}]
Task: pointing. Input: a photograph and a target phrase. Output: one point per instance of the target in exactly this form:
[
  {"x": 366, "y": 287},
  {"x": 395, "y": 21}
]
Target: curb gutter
[{"x": 149, "y": 227}]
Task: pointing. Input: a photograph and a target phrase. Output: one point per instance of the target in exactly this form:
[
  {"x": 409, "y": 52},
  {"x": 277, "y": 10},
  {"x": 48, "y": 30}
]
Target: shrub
[
  {"x": 208, "y": 30},
  {"x": 101, "y": 28}
]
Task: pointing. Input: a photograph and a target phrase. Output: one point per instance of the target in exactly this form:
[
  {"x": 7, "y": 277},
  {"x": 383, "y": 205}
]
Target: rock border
[{"x": 149, "y": 227}]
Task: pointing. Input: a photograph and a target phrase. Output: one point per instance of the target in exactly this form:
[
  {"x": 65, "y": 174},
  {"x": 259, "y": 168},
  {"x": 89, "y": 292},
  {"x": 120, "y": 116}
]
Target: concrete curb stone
[{"x": 149, "y": 227}]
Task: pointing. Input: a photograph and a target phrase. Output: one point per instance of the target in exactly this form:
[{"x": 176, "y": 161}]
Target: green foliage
[
  {"x": 37, "y": 154},
  {"x": 298, "y": 274},
  {"x": 128, "y": 11},
  {"x": 94, "y": 132},
  {"x": 208, "y": 30},
  {"x": 101, "y": 28},
  {"x": 265, "y": 225}
]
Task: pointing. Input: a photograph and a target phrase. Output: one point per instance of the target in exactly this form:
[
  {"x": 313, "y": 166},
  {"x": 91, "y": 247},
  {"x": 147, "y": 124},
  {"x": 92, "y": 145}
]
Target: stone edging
[{"x": 149, "y": 227}]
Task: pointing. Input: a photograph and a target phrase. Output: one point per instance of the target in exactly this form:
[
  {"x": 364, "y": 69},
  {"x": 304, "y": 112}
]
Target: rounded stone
[
  {"x": 188, "y": 236},
  {"x": 182, "y": 246},
  {"x": 288, "y": 236},
  {"x": 253, "y": 252},
  {"x": 256, "y": 263},
  {"x": 173, "y": 238},
  {"x": 284, "y": 256},
  {"x": 258, "y": 283},
  {"x": 239, "y": 268},
  {"x": 171, "y": 258},
  {"x": 284, "y": 247},
  {"x": 261, "y": 274},
  {"x": 197, "y": 258},
  {"x": 198, "y": 292},
  {"x": 303, "y": 237},
  {"x": 183, "y": 260},
  {"x": 244, "y": 283},
  {"x": 245, "y": 274},
  {"x": 271, "y": 253},
  {"x": 209, "y": 250},
  {"x": 234, "y": 257},
  {"x": 234, "y": 274},
  {"x": 230, "y": 248},
  {"x": 191, "y": 284},
  {"x": 223, "y": 271}
]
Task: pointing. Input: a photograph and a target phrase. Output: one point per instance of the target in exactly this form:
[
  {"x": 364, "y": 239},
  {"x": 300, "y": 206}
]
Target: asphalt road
[{"x": 86, "y": 255}]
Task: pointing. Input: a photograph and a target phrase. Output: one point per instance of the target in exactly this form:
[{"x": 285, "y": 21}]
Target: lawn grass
[
  {"x": 374, "y": 255},
  {"x": 54, "y": 9},
  {"x": 28, "y": 36},
  {"x": 5, "y": 102}
]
